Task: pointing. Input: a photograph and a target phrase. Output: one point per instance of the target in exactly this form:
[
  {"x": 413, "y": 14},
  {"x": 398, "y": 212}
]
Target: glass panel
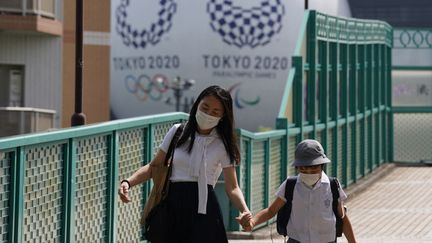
[{"x": 412, "y": 88}]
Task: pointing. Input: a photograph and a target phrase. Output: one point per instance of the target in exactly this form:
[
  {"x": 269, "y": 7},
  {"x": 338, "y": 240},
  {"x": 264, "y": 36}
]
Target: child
[{"x": 312, "y": 219}]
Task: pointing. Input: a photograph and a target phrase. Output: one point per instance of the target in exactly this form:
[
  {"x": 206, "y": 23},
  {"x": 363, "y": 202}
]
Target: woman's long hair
[{"x": 225, "y": 127}]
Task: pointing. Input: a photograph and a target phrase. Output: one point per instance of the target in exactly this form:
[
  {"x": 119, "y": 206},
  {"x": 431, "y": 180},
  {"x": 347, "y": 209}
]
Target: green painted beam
[
  {"x": 412, "y": 68},
  {"x": 411, "y": 109}
]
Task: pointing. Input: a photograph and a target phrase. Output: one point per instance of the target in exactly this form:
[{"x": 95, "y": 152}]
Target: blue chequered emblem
[
  {"x": 140, "y": 38},
  {"x": 246, "y": 27}
]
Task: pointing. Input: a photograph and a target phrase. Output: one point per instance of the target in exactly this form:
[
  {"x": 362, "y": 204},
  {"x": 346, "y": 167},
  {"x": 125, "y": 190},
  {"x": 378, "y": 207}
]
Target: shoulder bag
[{"x": 155, "y": 215}]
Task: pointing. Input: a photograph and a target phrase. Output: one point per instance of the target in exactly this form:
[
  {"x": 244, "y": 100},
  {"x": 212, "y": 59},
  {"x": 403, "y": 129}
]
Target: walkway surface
[{"x": 395, "y": 208}]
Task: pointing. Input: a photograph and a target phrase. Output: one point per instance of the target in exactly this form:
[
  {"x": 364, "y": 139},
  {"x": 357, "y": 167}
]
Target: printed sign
[{"x": 244, "y": 46}]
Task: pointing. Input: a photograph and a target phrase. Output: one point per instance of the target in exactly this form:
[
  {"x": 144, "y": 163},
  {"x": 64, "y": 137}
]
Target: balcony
[
  {"x": 30, "y": 16},
  {"x": 22, "y": 120}
]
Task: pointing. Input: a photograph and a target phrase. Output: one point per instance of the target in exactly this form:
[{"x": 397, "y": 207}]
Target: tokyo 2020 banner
[{"x": 243, "y": 45}]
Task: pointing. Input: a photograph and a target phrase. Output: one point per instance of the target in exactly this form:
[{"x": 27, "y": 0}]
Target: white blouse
[{"x": 204, "y": 164}]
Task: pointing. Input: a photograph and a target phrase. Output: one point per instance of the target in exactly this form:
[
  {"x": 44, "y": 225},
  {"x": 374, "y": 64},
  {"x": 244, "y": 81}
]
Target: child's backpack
[{"x": 284, "y": 213}]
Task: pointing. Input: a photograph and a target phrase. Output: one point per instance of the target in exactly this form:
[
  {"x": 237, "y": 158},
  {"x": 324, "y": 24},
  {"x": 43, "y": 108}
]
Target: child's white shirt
[{"x": 312, "y": 219}]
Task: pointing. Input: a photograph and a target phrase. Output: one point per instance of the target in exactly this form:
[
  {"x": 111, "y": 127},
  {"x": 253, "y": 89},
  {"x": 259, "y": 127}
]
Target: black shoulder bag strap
[{"x": 170, "y": 155}]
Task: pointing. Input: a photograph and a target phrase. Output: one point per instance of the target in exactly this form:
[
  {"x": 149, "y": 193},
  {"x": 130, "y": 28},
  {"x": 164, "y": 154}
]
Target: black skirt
[{"x": 186, "y": 225}]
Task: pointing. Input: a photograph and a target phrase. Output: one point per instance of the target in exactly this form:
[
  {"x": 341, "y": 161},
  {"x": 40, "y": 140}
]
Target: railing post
[
  {"x": 390, "y": 105},
  {"x": 17, "y": 196},
  {"x": 112, "y": 188},
  {"x": 377, "y": 121},
  {"x": 353, "y": 79},
  {"x": 344, "y": 111},
  {"x": 267, "y": 173},
  {"x": 233, "y": 212},
  {"x": 311, "y": 77},
  {"x": 369, "y": 97},
  {"x": 282, "y": 123},
  {"x": 70, "y": 180},
  {"x": 298, "y": 103},
  {"x": 323, "y": 86},
  {"x": 334, "y": 113},
  {"x": 66, "y": 193}
]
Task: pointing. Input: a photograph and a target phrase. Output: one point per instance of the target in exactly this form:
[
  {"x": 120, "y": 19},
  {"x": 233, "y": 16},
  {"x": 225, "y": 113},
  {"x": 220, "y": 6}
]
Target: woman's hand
[
  {"x": 123, "y": 192},
  {"x": 140, "y": 176},
  {"x": 245, "y": 220}
]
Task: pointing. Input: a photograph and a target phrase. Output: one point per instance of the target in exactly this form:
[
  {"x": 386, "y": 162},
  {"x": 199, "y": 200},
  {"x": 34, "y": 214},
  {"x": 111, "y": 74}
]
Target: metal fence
[
  {"x": 60, "y": 186},
  {"x": 412, "y": 95},
  {"x": 339, "y": 91}
]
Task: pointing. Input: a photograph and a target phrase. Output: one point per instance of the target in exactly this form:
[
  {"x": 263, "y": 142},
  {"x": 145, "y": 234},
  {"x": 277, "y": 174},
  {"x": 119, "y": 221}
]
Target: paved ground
[{"x": 395, "y": 208}]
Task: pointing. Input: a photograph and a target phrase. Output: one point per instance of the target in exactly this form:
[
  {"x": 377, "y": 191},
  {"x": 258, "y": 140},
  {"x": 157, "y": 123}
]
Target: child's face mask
[{"x": 309, "y": 179}]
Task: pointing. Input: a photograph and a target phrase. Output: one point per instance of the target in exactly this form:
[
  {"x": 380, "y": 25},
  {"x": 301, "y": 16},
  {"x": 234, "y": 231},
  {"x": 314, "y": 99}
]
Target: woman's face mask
[
  {"x": 205, "y": 121},
  {"x": 309, "y": 179}
]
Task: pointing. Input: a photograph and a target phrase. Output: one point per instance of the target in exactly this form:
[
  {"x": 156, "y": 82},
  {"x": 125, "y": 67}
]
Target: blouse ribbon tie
[{"x": 199, "y": 168}]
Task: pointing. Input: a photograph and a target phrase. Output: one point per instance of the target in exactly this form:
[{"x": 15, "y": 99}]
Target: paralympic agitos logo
[
  {"x": 140, "y": 38},
  {"x": 246, "y": 27}
]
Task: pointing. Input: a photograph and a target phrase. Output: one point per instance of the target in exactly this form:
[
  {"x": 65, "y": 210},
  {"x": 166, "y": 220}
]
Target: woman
[{"x": 206, "y": 147}]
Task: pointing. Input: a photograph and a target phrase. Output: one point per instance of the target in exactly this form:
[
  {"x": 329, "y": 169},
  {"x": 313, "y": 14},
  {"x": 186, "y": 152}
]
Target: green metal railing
[
  {"x": 61, "y": 186},
  {"x": 339, "y": 92},
  {"x": 345, "y": 64}
]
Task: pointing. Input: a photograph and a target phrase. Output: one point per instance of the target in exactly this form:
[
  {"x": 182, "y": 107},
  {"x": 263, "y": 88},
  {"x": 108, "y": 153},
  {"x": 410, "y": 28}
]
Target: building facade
[{"x": 37, "y": 62}]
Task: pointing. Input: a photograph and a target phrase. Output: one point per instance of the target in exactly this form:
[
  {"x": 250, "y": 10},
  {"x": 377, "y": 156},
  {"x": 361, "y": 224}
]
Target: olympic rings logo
[{"x": 144, "y": 87}]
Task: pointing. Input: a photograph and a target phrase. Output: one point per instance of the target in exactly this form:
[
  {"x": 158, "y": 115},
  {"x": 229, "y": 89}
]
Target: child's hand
[{"x": 244, "y": 219}]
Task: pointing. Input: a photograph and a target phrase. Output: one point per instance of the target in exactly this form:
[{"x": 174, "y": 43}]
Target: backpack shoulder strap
[
  {"x": 284, "y": 213},
  {"x": 334, "y": 185},
  {"x": 289, "y": 188}
]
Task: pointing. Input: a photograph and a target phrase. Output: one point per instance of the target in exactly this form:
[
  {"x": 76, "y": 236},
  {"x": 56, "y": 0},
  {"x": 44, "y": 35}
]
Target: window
[{"x": 11, "y": 85}]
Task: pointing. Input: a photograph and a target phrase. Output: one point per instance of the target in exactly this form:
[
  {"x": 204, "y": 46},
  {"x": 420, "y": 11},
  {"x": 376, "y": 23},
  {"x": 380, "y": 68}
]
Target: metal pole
[
  {"x": 178, "y": 95},
  {"x": 78, "y": 118},
  {"x": 24, "y": 7},
  {"x": 306, "y": 5}
]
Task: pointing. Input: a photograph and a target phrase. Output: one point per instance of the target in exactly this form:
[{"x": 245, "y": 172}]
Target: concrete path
[{"x": 396, "y": 208}]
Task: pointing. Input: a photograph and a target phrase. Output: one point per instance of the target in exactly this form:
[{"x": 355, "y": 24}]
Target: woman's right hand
[
  {"x": 246, "y": 221},
  {"x": 123, "y": 192}
]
